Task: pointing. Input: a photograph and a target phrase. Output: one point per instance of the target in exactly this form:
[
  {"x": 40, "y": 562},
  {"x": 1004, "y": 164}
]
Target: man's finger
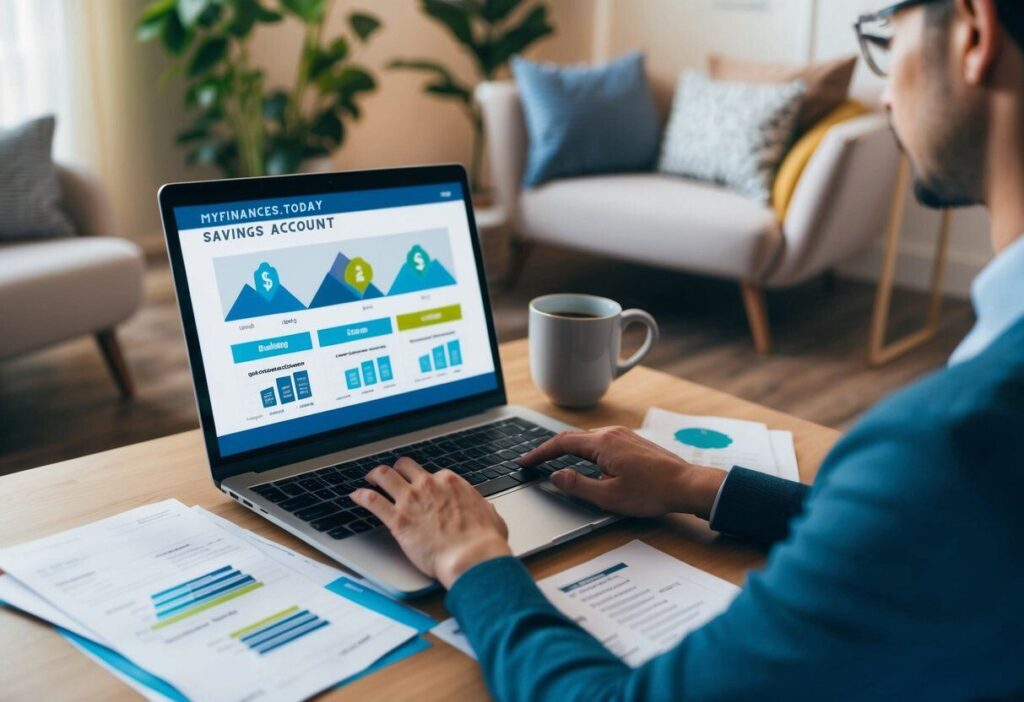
[
  {"x": 575, "y": 484},
  {"x": 389, "y": 480},
  {"x": 578, "y": 443},
  {"x": 410, "y": 469},
  {"x": 379, "y": 505}
]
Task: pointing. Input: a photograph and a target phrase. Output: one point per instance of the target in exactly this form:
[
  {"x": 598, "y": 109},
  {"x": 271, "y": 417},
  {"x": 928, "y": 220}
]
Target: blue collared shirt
[{"x": 998, "y": 297}]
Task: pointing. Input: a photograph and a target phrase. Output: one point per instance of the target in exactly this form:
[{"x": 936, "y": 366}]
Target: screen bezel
[{"x": 174, "y": 195}]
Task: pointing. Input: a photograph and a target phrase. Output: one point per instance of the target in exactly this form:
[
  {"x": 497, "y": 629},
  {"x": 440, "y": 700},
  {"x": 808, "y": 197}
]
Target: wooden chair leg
[
  {"x": 757, "y": 316},
  {"x": 116, "y": 364}
]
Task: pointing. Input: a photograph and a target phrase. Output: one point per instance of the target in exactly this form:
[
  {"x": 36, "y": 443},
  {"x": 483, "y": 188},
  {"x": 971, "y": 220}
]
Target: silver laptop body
[{"x": 194, "y": 216}]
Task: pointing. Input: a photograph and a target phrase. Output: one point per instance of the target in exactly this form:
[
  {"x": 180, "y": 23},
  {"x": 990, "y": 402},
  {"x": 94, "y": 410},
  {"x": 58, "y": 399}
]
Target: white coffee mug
[{"x": 575, "y": 342}]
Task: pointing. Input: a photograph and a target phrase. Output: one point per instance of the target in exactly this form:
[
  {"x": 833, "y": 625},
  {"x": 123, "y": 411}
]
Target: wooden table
[{"x": 39, "y": 664}]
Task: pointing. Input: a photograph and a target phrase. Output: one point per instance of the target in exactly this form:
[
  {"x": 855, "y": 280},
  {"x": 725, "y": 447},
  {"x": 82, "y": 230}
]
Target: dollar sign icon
[
  {"x": 267, "y": 281},
  {"x": 359, "y": 274},
  {"x": 418, "y": 259}
]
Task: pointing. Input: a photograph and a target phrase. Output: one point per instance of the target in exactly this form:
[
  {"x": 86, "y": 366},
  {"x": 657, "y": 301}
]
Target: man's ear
[{"x": 979, "y": 20}]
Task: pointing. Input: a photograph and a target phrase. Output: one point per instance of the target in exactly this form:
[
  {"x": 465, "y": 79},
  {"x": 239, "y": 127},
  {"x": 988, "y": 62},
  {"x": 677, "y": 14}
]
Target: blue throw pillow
[{"x": 587, "y": 120}]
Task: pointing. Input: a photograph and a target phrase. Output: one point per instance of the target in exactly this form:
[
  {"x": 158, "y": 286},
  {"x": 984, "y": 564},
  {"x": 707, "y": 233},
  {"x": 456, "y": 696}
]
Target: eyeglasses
[{"x": 874, "y": 33}]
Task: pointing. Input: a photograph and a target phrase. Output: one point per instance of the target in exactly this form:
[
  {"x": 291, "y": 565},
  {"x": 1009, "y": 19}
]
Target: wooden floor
[{"x": 60, "y": 403}]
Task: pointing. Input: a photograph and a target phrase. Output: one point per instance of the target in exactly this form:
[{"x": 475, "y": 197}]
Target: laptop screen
[{"x": 320, "y": 312}]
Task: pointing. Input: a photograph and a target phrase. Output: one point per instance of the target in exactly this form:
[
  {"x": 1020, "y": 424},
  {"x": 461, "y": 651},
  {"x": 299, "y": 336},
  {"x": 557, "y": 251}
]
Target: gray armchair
[
  {"x": 58, "y": 289},
  {"x": 839, "y": 207}
]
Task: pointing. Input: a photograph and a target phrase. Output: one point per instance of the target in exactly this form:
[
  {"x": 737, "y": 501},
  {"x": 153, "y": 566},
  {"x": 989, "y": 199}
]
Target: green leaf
[
  {"x": 325, "y": 59},
  {"x": 450, "y": 90},
  {"x": 445, "y": 85},
  {"x": 533, "y": 27},
  {"x": 453, "y": 17},
  {"x": 207, "y": 93},
  {"x": 329, "y": 126},
  {"x": 191, "y": 134},
  {"x": 495, "y": 11},
  {"x": 204, "y": 154},
  {"x": 421, "y": 65},
  {"x": 274, "y": 105},
  {"x": 283, "y": 157},
  {"x": 175, "y": 37},
  {"x": 246, "y": 14},
  {"x": 159, "y": 8},
  {"x": 268, "y": 16},
  {"x": 208, "y": 55},
  {"x": 151, "y": 21},
  {"x": 354, "y": 80},
  {"x": 363, "y": 24},
  {"x": 190, "y": 10},
  {"x": 309, "y": 11}
]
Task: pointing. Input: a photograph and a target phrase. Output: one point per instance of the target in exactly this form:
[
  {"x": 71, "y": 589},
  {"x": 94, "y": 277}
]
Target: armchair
[
  {"x": 839, "y": 207},
  {"x": 58, "y": 289}
]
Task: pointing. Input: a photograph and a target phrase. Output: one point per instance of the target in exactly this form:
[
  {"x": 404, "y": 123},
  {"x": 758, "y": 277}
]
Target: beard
[{"x": 950, "y": 134}]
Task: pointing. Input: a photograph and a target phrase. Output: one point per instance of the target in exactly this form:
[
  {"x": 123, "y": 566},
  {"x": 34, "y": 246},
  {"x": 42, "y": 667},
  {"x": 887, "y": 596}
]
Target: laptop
[{"x": 338, "y": 321}]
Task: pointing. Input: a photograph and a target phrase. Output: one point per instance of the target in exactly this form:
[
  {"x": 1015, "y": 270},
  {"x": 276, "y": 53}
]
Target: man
[{"x": 898, "y": 576}]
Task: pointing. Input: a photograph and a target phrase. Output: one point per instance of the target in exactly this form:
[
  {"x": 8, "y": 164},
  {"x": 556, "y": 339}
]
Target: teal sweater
[{"x": 901, "y": 578}]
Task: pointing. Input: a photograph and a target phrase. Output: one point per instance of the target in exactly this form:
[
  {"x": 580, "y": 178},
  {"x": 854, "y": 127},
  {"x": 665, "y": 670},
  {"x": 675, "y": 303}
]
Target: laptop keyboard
[{"x": 484, "y": 455}]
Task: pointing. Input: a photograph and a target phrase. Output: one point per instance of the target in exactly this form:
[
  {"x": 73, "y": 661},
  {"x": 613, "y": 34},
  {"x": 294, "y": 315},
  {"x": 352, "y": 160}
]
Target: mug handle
[{"x": 637, "y": 317}]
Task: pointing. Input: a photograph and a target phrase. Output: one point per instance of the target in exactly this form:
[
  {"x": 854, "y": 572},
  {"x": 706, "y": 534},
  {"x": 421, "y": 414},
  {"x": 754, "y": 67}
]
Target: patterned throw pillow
[
  {"x": 30, "y": 193},
  {"x": 735, "y": 134}
]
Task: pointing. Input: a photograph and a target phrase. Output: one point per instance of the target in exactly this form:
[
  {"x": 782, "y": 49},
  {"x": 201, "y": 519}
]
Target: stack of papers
[
  {"x": 181, "y": 604},
  {"x": 636, "y": 600},
  {"x": 723, "y": 443}
]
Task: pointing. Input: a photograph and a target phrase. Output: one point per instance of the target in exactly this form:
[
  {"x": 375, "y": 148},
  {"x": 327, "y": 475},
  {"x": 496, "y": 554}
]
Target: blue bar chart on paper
[
  {"x": 441, "y": 357},
  {"x": 199, "y": 594},
  {"x": 279, "y": 629},
  {"x": 369, "y": 373}
]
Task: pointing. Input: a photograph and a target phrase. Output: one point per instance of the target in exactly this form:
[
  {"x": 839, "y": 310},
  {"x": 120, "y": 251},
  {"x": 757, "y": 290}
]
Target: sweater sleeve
[
  {"x": 756, "y": 506},
  {"x": 850, "y": 573}
]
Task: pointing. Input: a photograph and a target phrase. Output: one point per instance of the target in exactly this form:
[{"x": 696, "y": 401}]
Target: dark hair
[{"x": 1011, "y": 14}]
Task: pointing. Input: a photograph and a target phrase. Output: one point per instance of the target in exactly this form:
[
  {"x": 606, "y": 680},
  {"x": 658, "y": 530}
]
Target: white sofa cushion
[
  {"x": 655, "y": 219},
  {"x": 57, "y": 290}
]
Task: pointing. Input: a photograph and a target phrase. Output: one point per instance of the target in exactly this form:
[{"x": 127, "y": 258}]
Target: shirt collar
[{"x": 998, "y": 297}]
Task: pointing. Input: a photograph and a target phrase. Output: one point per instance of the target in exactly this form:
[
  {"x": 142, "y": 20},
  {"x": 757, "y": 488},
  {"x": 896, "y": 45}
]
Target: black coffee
[{"x": 575, "y": 315}]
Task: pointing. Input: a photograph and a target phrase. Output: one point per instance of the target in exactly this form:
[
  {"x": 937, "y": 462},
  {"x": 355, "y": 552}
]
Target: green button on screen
[{"x": 426, "y": 318}]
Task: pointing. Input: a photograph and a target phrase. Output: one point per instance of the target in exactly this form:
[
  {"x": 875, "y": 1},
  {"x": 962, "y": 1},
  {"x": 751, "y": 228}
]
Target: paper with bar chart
[{"x": 202, "y": 608}]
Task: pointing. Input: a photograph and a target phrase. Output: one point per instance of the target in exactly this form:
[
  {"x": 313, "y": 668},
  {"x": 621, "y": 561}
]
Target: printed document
[
  {"x": 202, "y": 608},
  {"x": 723, "y": 443},
  {"x": 636, "y": 600}
]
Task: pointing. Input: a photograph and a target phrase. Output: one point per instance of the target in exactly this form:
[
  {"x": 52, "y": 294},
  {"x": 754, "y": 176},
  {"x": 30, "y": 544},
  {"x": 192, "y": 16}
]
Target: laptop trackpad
[{"x": 536, "y": 518}]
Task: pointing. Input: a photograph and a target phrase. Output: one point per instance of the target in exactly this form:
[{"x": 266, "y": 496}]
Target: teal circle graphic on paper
[{"x": 703, "y": 438}]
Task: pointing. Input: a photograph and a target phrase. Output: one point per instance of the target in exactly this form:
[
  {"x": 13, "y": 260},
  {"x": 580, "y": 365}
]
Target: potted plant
[
  {"x": 491, "y": 32},
  {"x": 241, "y": 126}
]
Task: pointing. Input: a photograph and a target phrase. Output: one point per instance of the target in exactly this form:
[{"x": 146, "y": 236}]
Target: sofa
[
  {"x": 838, "y": 208},
  {"x": 58, "y": 289}
]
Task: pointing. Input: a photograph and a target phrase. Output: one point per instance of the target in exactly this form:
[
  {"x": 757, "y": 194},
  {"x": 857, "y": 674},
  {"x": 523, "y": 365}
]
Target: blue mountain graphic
[
  {"x": 408, "y": 280},
  {"x": 250, "y": 303},
  {"x": 335, "y": 291}
]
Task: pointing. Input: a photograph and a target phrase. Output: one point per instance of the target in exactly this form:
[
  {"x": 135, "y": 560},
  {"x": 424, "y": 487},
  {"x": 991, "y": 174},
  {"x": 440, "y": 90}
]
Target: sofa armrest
[
  {"x": 842, "y": 201},
  {"x": 85, "y": 201},
  {"x": 507, "y": 141}
]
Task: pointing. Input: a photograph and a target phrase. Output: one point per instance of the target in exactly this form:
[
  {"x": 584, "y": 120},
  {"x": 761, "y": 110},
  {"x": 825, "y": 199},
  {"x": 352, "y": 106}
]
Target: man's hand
[
  {"x": 640, "y": 479},
  {"x": 442, "y": 524}
]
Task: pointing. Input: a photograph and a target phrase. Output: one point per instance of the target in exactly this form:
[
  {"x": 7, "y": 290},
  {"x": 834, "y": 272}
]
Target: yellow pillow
[{"x": 800, "y": 155}]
